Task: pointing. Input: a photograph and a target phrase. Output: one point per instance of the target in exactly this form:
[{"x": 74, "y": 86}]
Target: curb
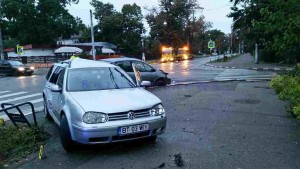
[
  {"x": 210, "y": 81},
  {"x": 251, "y": 68}
]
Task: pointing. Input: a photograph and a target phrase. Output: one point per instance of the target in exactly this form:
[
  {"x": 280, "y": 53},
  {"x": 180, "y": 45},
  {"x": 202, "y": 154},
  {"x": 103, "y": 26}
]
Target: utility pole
[
  {"x": 1, "y": 41},
  {"x": 92, "y": 35},
  {"x": 256, "y": 54}
]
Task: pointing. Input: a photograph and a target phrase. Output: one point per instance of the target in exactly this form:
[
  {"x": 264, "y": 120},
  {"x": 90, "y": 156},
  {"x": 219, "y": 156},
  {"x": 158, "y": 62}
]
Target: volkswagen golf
[{"x": 96, "y": 102}]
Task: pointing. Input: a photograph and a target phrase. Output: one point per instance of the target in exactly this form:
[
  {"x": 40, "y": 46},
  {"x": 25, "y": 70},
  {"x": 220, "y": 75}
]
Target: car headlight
[
  {"x": 157, "y": 110},
  {"x": 31, "y": 68},
  {"x": 21, "y": 69},
  {"x": 94, "y": 117}
]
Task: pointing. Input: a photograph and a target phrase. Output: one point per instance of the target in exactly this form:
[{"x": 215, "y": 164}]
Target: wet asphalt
[{"x": 210, "y": 125}]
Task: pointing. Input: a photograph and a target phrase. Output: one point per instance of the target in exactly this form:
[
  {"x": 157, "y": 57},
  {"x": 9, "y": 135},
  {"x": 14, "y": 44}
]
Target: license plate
[{"x": 133, "y": 129}]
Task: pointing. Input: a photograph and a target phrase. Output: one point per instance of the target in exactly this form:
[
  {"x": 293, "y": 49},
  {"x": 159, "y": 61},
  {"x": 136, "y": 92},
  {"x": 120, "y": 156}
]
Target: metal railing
[{"x": 18, "y": 117}]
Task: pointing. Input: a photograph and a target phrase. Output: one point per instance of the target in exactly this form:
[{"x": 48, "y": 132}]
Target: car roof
[
  {"x": 84, "y": 63},
  {"x": 119, "y": 59}
]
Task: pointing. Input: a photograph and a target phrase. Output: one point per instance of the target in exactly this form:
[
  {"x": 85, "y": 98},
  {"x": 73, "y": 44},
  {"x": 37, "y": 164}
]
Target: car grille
[{"x": 124, "y": 115}]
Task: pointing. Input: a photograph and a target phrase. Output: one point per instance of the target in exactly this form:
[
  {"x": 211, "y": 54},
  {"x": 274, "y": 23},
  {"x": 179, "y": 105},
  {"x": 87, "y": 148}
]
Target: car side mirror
[
  {"x": 55, "y": 88},
  {"x": 145, "y": 84}
]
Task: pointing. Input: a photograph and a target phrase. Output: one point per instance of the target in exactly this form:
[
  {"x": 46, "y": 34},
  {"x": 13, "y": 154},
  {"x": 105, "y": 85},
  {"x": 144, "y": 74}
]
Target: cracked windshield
[{"x": 156, "y": 84}]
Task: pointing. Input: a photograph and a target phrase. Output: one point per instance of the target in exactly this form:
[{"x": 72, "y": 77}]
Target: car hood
[
  {"x": 116, "y": 100},
  {"x": 18, "y": 66}
]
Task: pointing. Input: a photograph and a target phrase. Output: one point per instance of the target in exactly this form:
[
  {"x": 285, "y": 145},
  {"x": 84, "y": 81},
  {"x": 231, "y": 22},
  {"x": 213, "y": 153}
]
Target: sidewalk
[{"x": 246, "y": 61}]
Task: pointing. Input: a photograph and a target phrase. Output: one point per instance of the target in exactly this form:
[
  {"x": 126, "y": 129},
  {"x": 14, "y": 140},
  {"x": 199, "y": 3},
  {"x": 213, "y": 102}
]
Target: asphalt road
[{"x": 211, "y": 125}]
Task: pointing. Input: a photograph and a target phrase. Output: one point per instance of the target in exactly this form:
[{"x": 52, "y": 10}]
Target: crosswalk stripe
[
  {"x": 36, "y": 101},
  {"x": 20, "y": 98},
  {"x": 13, "y": 94},
  {"x": 4, "y": 92},
  {"x": 25, "y": 112}
]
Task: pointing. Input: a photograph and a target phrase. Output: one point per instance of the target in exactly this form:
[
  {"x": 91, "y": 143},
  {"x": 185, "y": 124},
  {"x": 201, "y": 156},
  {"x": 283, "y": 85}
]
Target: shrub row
[{"x": 287, "y": 87}]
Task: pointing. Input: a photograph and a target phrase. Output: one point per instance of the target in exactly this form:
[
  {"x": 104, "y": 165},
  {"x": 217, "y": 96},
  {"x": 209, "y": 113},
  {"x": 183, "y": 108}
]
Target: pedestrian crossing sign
[
  {"x": 20, "y": 50},
  {"x": 211, "y": 44}
]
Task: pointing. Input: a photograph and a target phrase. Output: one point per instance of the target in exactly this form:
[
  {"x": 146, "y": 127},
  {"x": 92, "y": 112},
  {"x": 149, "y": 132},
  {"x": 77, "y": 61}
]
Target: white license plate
[{"x": 133, "y": 129}]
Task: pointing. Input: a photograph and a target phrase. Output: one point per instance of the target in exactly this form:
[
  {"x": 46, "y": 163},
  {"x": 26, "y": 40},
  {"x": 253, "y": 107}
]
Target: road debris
[{"x": 178, "y": 160}]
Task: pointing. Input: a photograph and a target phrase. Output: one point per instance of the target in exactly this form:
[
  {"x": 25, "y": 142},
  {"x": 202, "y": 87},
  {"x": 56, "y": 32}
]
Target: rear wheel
[{"x": 65, "y": 135}]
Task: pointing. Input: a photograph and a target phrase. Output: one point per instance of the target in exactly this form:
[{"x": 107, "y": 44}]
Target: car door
[
  {"x": 57, "y": 97},
  {"x": 147, "y": 74},
  {"x": 49, "y": 94},
  {"x": 7, "y": 68},
  {"x": 1, "y": 67},
  {"x": 127, "y": 67}
]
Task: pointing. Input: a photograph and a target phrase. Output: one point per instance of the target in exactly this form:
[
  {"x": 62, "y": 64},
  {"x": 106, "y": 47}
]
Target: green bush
[
  {"x": 18, "y": 142},
  {"x": 288, "y": 88}
]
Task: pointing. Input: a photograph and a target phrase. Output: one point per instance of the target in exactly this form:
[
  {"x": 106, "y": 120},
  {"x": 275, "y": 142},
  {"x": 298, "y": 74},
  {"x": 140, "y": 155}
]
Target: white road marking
[
  {"x": 36, "y": 101},
  {"x": 25, "y": 112},
  {"x": 13, "y": 94},
  {"x": 4, "y": 92},
  {"x": 20, "y": 98}
]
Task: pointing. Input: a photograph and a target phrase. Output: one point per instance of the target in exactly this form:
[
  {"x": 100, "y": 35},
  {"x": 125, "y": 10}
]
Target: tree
[
  {"x": 274, "y": 25},
  {"x": 38, "y": 22},
  {"x": 173, "y": 23},
  {"x": 122, "y": 28}
]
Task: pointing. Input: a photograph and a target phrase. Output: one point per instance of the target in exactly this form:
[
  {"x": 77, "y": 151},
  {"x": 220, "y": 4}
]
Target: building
[
  {"x": 72, "y": 40},
  {"x": 31, "y": 51}
]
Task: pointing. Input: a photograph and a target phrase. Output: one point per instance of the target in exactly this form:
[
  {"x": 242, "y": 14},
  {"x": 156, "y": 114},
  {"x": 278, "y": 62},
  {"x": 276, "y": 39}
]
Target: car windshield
[
  {"x": 15, "y": 63},
  {"x": 89, "y": 79}
]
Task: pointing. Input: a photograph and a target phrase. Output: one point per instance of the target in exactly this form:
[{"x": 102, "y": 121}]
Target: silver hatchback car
[{"x": 96, "y": 102}]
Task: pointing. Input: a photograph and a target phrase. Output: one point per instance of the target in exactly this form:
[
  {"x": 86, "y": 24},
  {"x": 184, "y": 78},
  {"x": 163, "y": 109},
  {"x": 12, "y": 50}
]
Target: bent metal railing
[{"x": 18, "y": 117}]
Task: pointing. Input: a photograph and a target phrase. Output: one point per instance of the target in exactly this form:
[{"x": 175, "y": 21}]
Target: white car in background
[{"x": 96, "y": 102}]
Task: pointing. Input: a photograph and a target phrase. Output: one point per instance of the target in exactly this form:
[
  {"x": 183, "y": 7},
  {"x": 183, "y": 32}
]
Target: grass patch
[
  {"x": 227, "y": 60},
  {"x": 16, "y": 143}
]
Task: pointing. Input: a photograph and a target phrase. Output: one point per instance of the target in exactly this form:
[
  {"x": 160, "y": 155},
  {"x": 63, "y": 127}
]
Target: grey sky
[{"x": 214, "y": 11}]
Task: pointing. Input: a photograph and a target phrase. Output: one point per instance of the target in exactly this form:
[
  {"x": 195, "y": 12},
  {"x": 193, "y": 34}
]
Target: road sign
[
  {"x": 211, "y": 44},
  {"x": 20, "y": 50}
]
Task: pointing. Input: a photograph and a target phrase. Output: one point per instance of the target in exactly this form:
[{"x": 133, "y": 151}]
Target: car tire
[
  {"x": 65, "y": 135},
  {"x": 160, "y": 82},
  {"x": 46, "y": 112}
]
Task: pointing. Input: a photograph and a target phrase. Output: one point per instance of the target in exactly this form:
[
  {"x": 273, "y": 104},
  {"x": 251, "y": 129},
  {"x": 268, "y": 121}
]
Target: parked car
[
  {"x": 148, "y": 73},
  {"x": 10, "y": 67},
  {"x": 95, "y": 102}
]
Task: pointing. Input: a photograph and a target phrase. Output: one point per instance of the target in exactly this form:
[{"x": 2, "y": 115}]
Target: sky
[{"x": 215, "y": 11}]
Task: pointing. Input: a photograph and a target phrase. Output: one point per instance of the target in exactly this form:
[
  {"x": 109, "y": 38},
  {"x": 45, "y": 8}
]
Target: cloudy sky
[{"x": 214, "y": 11}]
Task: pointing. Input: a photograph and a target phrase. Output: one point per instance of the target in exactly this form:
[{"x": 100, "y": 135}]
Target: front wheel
[
  {"x": 65, "y": 135},
  {"x": 46, "y": 112},
  {"x": 160, "y": 82}
]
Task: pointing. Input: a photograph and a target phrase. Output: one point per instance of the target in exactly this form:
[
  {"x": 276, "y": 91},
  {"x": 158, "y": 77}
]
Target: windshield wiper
[
  {"x": 127, "y": 80},
  {"x": 113, "y": 78}
]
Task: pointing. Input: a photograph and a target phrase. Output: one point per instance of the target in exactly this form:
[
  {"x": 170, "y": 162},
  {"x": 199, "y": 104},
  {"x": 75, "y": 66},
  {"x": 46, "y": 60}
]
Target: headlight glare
[
  {"x": 32, "y": 68},
  {"x": 94, "y": 117},
  {"x": 21, "y": 69},
  {"x": 157, "y": 110}
]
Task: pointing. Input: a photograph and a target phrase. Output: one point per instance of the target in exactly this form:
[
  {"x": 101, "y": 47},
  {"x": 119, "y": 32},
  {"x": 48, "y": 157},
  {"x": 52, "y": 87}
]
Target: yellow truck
[
  {"x": 167, "y": 54},
  {"x": 183, "y": 54}
]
